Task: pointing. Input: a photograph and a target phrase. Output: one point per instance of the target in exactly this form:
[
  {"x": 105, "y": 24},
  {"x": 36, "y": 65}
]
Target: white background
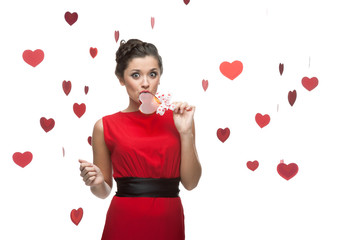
[{"x": 320, "y": 133}]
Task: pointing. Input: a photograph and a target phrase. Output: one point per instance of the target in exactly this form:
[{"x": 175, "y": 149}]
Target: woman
[{"x": 147, "y": 154}]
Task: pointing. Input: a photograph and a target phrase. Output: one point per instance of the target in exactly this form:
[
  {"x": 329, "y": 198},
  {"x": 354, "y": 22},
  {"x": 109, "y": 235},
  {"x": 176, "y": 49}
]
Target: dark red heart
[
  {"x": 281, "y": 67},
  {"x": 292, "y": 97},
  {"x": 252, "y": 165},
  {"x": 186, "y": 2},
  {"x": 22, "y": 159},
  {"x": 287, "y": 171},
  {"x": 309, "y": 83},
  {"x": 223, "y": 134},
  {"x": 93, "y": 52},
  {"x": 76, "y": 216},
  {"x": 231, "y": 70},
  {"x": 66, "y": 87},
  {"x": 71, "y": 18},
  {"x": 47, "y": 124},
  {"x": 33, "y": 58},
  {"x": 90, "y": 140},
  {"x": 79, "y": 110},
  {"x": 86, "y": 89},
  {"x": 262, "y": 120}
]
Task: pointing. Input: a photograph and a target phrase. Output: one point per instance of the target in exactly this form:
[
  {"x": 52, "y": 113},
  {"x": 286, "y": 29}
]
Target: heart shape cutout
[
  {"x": 262, "y": 120},
  {"x": 292, "y": 97},
  {"x": 287, "y": 171},
  {"x": 152, "y": 21},
  {"x": 79, "y": 110},
  {"x": 223, "y": 134},
  {"x": 66, "y": 87},
  {"x": 33, "y": 58},
  {"x": 116, "y": 36},
  {"x": 231, "y": 70},
  {"x": 22, "y": 159},
  {"x": 93, "y": 52},
  {"x": 47, "y": 124},
  {"x": 149, "y": 103},
  {"x": 76, "y": 216},
  {"x": 281, "y": 68},
  {"x": 71, "y": 18},
  {"x": 253, "y": 165},
  {"x": 205, "y": 84},
  {"x": 309, "y": 83}
]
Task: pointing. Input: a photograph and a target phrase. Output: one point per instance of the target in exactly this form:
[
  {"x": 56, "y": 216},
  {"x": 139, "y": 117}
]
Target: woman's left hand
[{"x": 183, "y": 117}]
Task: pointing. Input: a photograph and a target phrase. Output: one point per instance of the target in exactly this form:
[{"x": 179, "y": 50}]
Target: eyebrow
[{"x": 137, "y": 70}]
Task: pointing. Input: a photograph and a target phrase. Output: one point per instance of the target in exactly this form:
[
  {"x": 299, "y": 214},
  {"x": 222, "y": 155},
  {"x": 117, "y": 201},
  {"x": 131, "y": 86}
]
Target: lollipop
[{"x": 158, "y": 103}]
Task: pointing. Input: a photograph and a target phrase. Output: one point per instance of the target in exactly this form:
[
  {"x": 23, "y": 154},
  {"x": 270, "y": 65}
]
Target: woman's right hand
[{"x": 90, "y": 173}]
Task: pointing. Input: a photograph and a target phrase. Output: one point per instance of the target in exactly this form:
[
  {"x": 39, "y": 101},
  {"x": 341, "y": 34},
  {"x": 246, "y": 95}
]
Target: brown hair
[{"x": 134, "y": 48}]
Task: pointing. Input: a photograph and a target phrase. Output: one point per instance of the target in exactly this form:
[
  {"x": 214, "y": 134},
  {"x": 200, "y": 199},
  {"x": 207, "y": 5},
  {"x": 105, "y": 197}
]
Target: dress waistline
[{"x": 147, "y": 187}]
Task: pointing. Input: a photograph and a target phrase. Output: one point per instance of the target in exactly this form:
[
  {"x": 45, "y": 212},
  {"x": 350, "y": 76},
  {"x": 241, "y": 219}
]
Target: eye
[
  {"x": 153, "y": 74},
  {"x": 135, "y": 75}
]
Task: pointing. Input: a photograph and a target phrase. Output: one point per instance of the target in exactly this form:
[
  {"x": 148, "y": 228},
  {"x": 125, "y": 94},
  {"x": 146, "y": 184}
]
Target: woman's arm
[
  {"x": 190, "y": 169},
  {"x": 99, "y": 174}
]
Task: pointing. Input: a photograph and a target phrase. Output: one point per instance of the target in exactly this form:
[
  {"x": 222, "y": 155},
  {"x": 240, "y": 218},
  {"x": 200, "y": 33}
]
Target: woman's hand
[
  {"x": 91, "y": 173},
  {"x": 183, "y": 117}
]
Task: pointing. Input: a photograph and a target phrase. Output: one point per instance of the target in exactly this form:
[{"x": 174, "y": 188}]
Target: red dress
[{"x": 146, "y": 146}]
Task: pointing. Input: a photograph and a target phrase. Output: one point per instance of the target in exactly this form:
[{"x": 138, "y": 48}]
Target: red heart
[
  {"x": 186, "y": 2},
  {"x": 292, "y": 97},
  {"x": 287, "y": 171},
  {"x": 93, "y": 52},
  {"x": 71, "y": 18},
  {"x": 281, "y": 67},
  {"x": 309, "y": 84},
  {"x": 231, "y": 70},
  {"x": 223, "y": 134},
  {"x": 90, "y": 140},
  {"x": 205, "y": 84},
  {"x": 33, "y": 58},
  {"x": 79, "y": 110},
  {"x": 47, "y": 124},
  {"x": 262, "y": 120},
  {"x": 252, "y": 165},
  {"x": 86, "y": 89},
  {"x": 152, "y": 22},
  {"x": 76, "y": 216},
  {"x": 22, "y": 159},
  {"x": 116, "y": 35},
  {"x": 66, "y": 87}
]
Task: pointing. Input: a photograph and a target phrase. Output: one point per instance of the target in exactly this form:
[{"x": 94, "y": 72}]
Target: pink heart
[
  {"x": 116, "y": 35},
  {"x": 149, "y": 103},
  {"x": 152, "y": 22},
  {"x": 33, "y": 58},
  {"x": 205, "y": 84},
  {"x": 231, "y": 70},
  {"x": 262, "y": 120},
  {"x": 71, "y": 18},
  {"x": 22, "y": 159},
  {"x": 79, "y": 110},
  {"x": 93, "y": 52}
]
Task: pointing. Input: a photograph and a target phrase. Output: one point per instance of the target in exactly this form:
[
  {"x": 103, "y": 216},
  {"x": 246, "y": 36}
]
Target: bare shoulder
[{"x": 98, "y": 126}]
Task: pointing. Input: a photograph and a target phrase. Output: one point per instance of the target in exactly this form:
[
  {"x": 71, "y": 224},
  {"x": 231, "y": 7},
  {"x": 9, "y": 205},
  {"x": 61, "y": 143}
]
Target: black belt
[{"x": 147, "y": 187}]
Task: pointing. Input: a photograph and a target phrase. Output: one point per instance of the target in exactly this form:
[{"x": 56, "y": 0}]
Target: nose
[{"x": 145, "y": 82}]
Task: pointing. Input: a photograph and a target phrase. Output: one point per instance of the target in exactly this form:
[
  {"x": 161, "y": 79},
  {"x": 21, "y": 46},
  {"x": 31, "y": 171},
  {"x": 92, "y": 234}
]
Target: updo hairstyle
[{"x": 134, "y": 48}]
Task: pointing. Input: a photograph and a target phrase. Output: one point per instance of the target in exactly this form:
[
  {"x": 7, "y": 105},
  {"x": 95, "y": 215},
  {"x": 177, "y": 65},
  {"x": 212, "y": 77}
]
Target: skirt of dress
[{"x": 144, "y": 218}]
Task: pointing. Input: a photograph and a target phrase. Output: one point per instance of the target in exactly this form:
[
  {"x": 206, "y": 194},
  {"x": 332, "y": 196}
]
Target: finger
[
  {"x": 89, "y": 175},
  {"x": 89, "y": 180},
  {"x": 183, "y": 106},
  {"x": 86, "y": 170},
  {"x": 85, "y": 164}
]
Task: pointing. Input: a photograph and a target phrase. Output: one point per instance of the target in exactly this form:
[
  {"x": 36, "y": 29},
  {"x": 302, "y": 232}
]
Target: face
[{"x": 142, "y": 74}]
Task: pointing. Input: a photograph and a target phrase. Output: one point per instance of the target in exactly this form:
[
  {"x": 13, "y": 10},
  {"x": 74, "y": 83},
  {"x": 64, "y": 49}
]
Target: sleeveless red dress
[{"x": 146, "y": 146}]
